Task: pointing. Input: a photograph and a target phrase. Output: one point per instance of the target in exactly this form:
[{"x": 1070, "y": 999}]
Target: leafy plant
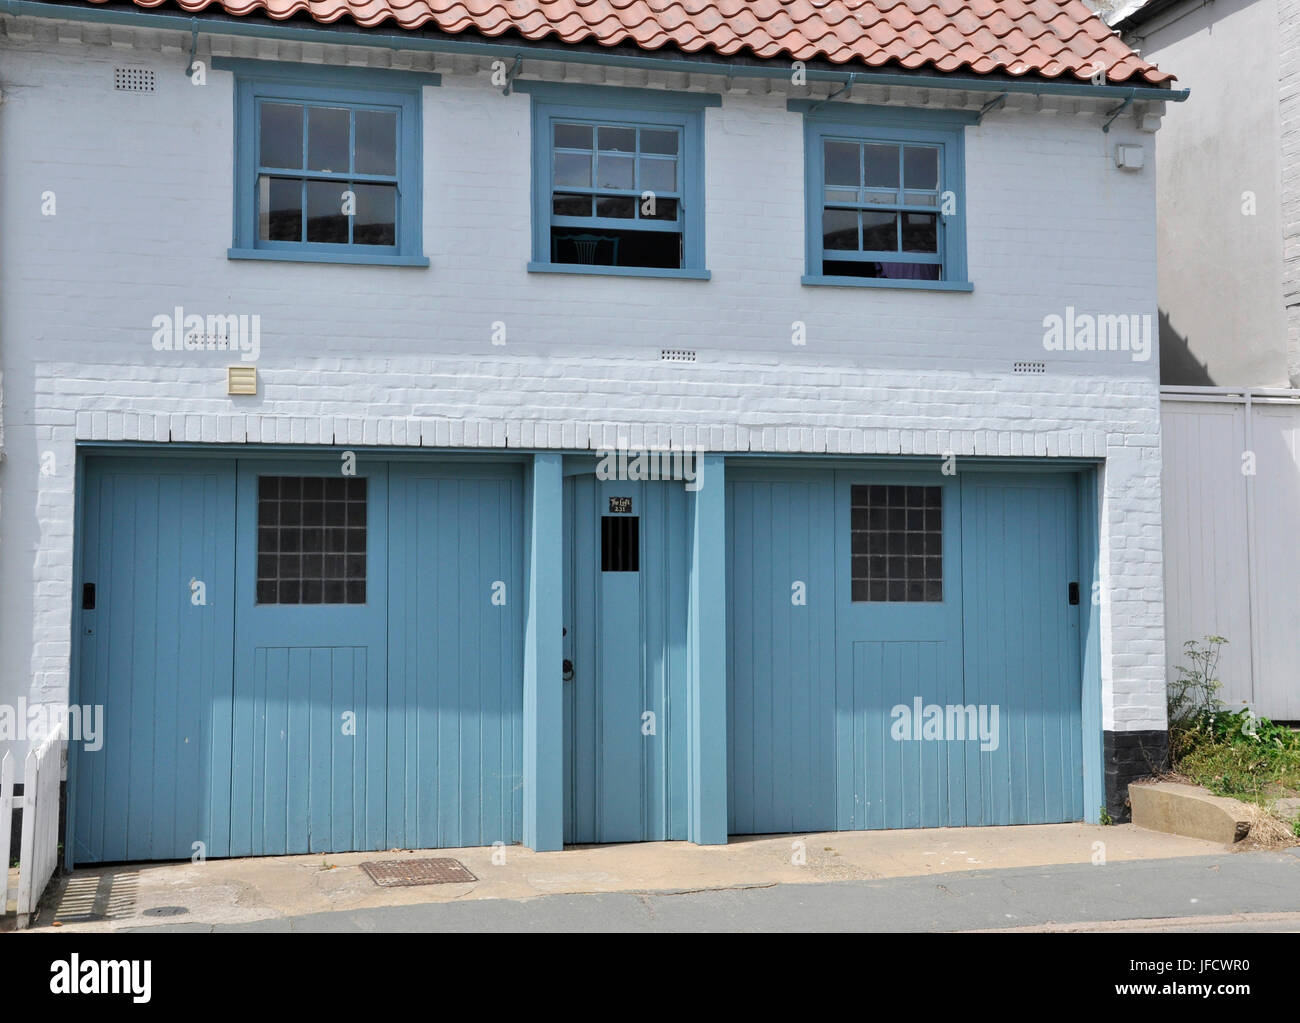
[
  {"x": 1194, "y": 693},
  {"x": 1106, "y": 819},
  {"x": 1231, "y": 753}
]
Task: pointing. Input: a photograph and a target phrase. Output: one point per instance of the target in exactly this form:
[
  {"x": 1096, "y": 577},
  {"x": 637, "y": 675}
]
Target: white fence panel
[
  {"x": 39, "y": 854},
  {"x": 1277, "y": 521},
  {"x": 6, "y": 825},
  {"x": 1231, "y": 523}
]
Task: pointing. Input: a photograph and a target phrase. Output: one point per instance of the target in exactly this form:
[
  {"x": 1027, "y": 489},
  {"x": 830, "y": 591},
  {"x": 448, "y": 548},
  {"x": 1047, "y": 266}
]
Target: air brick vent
[
  {"x": 676, "y": 355},
  {"x": 1030, "y": 367},
  {"x": 133, "y": 79}
]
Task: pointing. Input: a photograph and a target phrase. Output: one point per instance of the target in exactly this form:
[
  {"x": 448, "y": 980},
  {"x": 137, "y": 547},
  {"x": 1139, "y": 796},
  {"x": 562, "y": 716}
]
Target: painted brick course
[{"x": 402, "y": 356}]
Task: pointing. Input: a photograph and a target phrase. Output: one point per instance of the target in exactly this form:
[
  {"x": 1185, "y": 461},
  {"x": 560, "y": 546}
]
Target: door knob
[{"x": 568, "y": 670}]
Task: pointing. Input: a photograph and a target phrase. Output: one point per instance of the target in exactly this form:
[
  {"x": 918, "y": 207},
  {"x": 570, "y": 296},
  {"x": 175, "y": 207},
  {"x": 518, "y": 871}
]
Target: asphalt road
[{"x": 1223, "y": 892}]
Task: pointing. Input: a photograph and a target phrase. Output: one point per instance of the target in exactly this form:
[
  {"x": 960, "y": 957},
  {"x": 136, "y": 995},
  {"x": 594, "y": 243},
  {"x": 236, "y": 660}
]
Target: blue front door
[{"x": 626, "y": 578}]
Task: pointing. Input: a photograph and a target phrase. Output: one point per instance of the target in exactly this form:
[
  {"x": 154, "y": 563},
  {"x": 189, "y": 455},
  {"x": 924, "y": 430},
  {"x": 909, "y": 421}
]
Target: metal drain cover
[{"x": 404, "y": 873}]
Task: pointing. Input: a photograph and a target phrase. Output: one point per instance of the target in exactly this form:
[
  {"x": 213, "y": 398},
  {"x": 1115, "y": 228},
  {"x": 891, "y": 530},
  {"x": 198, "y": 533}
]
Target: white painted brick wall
[{"x": 385, "y": 355}]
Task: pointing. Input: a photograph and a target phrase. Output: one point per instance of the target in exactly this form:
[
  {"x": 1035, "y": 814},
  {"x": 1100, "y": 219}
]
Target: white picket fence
[
  {"x": 38, "y": 855},
  {"x": 1231, "y": 525}
]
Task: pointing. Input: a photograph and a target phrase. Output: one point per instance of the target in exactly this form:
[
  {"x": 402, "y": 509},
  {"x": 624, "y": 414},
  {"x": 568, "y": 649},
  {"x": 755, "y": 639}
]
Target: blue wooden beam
[
  {"x": 544, "y": 655},
  {"x": 707, "y": 632}
]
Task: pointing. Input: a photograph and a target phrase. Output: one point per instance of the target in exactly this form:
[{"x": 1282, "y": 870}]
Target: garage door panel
[
  {"x": 455, "y": 759},
  {"x": 893, "y": 776},
  {"x": 1022, "y": 647},
  {"x": 781, "y": 682},
  {"x": 157, "y": 659}
]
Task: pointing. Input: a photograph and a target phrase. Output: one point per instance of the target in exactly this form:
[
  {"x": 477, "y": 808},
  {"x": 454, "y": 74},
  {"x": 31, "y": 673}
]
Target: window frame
[
  {"x": 619, "y": 107},
  {"x": 891, "y": 126},
  {"x": 258, "y": 82}
]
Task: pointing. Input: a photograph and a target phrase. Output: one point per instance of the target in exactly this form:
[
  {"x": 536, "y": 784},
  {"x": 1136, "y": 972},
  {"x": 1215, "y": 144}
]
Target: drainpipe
[{"x": 339, "y": 35}]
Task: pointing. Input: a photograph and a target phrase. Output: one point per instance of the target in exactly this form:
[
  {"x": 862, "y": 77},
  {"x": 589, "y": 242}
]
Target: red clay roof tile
[{"x": 1051, "y": 38}]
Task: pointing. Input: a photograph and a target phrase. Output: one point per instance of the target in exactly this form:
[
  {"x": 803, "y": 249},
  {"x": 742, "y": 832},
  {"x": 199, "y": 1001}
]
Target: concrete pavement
[
  {"x": 1247, "y": 891},
  {"x": 262, "y": 892}
]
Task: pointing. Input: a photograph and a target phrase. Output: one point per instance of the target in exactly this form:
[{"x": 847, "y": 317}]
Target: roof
[{"x": 1047, "y": 38}]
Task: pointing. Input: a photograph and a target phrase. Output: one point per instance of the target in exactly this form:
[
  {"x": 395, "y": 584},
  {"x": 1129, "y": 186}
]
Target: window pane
[
  {"x": 573, "y": 169},
  {"x": 840, "y": 229},
  {"x": 612, "y": 247},
  {"x": 890, "y": 530},
  {"x": 615, "y": 171},
  {"x": 662, "y": 209},
  {"x": 883, "y": 270},
  {"x": 920, "y": 199},
  {"x": 879, "y": 231},
  {"x": 881, "y": 166},
  {"x": 571, "y": 205},
  {"x": 622, "y": 206},
  {"x": 333, "y": 568},
  {"x": 376, "y": 142},
  {"x": 842, "y": 164},
  {"x": 327, "y": 138},
  {"x": 376, "y": 219},
  {"x": 584, "y": 248},
  {"x": 920, "y": 167},
  {"x": 279, "y": 209},
  {"x": 881, "y": 198},
  {"x": 654, "y": 140},
  {"x": 659, "y": 175},
  {"x": 920, "y": 232},
  {"x": 621, "y": 139},
  {"x": 326, "y": 221},
  {"x": 834, "y": 195},
  {"x": 573, "y": 136},
  {"x": 281, "y": 135}
]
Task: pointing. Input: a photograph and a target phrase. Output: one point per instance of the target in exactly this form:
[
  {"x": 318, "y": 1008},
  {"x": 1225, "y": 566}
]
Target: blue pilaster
[
  {"x": 707, "y": 636},
  {"x": 543, "y": 656}
]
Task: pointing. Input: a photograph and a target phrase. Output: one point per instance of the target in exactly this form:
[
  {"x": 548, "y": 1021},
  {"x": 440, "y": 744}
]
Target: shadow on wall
[{"x": 1178, "y": 366}]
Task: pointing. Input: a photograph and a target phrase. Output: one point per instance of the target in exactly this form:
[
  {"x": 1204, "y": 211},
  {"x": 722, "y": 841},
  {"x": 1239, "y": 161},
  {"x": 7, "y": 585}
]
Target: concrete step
[{"x": 1188, "y": 810}]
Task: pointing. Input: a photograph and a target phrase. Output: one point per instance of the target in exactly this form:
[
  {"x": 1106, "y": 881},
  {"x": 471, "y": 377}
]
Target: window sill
[
  {"x": 617, "y": 271},
  {"x": 882, "y": 282},
  {"x": 357, "y": 259}
]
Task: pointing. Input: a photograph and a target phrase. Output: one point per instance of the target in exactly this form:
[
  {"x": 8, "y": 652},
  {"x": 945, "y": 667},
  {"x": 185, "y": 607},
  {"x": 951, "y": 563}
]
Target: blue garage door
[
  {"x": 903, "y": 650},
  {"x": 295, "y": 660}
]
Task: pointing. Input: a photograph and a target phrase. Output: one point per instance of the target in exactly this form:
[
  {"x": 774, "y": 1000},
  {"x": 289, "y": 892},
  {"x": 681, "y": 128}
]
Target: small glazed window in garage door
[
  {"x": 311, "y": 540},
  {"x": 620, "y": 543},
  {"x": 897, "y": 543}
]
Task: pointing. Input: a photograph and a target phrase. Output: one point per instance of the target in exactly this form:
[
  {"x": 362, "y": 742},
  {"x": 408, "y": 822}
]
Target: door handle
[{"x": 568, "y": 670}]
